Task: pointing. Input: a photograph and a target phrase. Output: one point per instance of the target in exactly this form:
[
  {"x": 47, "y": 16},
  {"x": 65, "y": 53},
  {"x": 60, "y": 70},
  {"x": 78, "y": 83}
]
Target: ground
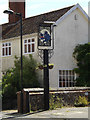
[{"x": 81, "y": 113}]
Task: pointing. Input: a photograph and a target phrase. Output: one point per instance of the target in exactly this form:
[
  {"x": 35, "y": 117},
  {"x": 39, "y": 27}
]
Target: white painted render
[
  {"x": 8, "y": 62},
  {"x": 69, "y": 32},
  {"x": 0, "y": 61}
]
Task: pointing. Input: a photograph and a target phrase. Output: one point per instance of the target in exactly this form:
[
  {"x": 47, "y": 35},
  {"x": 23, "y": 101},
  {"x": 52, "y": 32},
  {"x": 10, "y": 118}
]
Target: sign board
[{"x": 44, "y": 37}]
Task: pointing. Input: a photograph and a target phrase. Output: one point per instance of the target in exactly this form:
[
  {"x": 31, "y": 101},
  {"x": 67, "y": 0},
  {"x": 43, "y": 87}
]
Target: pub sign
[{"x": 44, "y": 36}]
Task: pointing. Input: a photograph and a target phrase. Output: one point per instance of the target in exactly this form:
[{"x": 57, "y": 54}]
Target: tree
[
  {"x": 82, "y": 55},
  {"x": 11, "y": 80}
]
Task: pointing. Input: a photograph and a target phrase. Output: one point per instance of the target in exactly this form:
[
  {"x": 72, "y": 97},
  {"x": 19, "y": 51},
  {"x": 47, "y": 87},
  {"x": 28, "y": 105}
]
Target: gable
[{"x": 77, "y": 6}]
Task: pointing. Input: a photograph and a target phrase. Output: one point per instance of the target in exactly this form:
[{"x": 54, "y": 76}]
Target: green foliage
[
  {"x": 9, "y": 91},
  {"x": 11, "y": 80},
  {"x": 82, "y": 56},
  {"x": 51, "y": 103},
  {"x": 30, "y": 75},
  {"x": 0, "y": 89},
  {"x": 81, "y": 102},
  {"x": 55, "y": 102}
]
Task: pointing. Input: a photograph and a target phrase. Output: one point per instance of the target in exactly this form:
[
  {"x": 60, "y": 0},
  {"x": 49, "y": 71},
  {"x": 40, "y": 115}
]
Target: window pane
[
  {"x": 69, "y": 72},
  {"x": 60, "y": 78},
  {"x": 32, "y": 47},
  {"x": 66, "y": 72},
  {"x": 25, "y": 49},
  {"x": 70, "y": 84},
  {"x": 29, "y": 48},
  {"x": 63, "y": 83},
  {"x": 3, "y": 45},
  {"x": 29, "y": 40},
  {"x": 67, "y": 84},
  {"x": 25, "y": 41},
  {"x": 32, "y": 40},
  {"x": 6, "y": 44},
  {"x": 59, "y": 72},
  {"x": 9, "y": 50},
  {"x": 6, "y": 51},
  {"x": 66, "y": 78},
  {"x": 3, "y": 52},
  {"x": 60, "y": 84}
]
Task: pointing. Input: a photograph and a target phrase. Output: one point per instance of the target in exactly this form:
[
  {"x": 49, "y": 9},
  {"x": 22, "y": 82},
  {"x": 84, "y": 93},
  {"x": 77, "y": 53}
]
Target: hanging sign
[{"x": 44, "y": 37}]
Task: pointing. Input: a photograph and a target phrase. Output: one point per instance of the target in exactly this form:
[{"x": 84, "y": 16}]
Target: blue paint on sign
[{"x": 45, "y": 37}]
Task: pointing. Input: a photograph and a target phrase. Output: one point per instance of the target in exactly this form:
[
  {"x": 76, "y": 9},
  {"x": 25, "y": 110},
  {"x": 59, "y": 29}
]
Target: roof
[{"x": 30, "y": 25}]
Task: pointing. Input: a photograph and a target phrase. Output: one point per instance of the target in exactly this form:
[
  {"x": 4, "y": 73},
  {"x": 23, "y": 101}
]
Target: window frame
[
  {"x": 29, "y": 43},
  {"x": 64, "y": 76},
  {"x": 6, "y": 47}
]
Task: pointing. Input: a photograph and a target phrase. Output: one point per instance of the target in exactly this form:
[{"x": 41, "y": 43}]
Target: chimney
[{"x": 17, "y": 6}]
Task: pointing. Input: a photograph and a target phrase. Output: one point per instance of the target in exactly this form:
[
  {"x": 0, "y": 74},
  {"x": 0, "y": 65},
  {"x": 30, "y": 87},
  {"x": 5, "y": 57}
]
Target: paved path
[{"x": 80, "y": 112}]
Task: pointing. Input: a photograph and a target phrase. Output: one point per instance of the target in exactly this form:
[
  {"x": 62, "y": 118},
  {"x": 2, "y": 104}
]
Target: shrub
[
  {"x": 11, "y": 79},
  {"x": 55, "y": 102},
  {"x": 9, "y": 91},
  {"x": 81, "y": 102},
  {"x": 82, "y": 56}
]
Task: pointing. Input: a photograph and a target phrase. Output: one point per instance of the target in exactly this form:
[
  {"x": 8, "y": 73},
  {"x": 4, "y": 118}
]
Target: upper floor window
[
  {"x": 29, "y": 46},
  {"x": 66, "y": 78},
  {"x": 6, "y": 49}
]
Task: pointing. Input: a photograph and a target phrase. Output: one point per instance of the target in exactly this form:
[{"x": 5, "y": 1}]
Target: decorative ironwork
[
  {"x": 50, "y": 54},
  {"x": 40, "y": 53}
]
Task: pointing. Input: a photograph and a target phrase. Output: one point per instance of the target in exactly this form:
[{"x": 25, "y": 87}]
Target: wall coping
[{"x": 59, "y": 89}]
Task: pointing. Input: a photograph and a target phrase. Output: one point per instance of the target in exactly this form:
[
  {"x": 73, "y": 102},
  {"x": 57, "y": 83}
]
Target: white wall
[
  {"x": 68, "y": 33},
  {"x": 0, "y": 61},
  {"x": 8, "y": 61}
]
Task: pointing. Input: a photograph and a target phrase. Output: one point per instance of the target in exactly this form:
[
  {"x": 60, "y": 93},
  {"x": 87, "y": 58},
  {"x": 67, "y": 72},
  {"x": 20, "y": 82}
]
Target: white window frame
[
  {"x": 67, "y": 83},
  {"x": 29, "y": 43},
  {"x": 7, "y": 48}
]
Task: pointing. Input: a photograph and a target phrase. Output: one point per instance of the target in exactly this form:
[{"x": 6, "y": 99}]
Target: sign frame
[{"x": 45, "y": 31}]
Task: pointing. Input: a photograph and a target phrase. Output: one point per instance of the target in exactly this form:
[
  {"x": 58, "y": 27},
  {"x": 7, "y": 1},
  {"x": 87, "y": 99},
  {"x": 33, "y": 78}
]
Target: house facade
[{"x": 70, "y": 29}]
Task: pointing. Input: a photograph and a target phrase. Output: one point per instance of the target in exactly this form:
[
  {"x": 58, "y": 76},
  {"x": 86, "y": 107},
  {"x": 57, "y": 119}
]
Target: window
[
  {"x": 66, "y": 78},
  {"x": 6, "y": 49},
  {"x": 29, "y": 46}
]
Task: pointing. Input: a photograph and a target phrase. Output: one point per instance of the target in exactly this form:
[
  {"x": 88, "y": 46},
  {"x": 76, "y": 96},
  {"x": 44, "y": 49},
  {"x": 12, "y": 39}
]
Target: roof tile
[{"x": 30, "y": 25}]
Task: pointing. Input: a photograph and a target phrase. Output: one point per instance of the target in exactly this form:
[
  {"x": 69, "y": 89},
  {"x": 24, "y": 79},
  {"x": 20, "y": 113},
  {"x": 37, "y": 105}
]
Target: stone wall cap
[
  {"x": 70, "y": 88},
  {"x": 56, "y": 89},
  {"x": 33, "y": 89}
]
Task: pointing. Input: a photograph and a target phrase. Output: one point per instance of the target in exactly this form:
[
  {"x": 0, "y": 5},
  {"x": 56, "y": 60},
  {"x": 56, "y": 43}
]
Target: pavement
[{"x": 73, "y": 113}]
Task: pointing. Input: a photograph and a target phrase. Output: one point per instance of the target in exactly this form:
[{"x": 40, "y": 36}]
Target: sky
[{"x": 36, "y": 7}]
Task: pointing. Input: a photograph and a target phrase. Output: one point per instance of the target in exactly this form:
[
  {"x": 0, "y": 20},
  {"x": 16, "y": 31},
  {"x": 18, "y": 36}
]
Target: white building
[{"x": 70, "y": 29}]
